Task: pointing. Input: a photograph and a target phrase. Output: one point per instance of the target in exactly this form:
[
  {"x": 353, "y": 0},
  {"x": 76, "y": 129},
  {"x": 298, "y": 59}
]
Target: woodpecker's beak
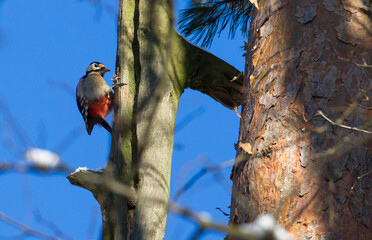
[{"x": 106, "y": 70}]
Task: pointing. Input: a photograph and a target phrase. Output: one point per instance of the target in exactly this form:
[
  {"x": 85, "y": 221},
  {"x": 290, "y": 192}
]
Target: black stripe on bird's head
[{"x": 97, "y": 67}]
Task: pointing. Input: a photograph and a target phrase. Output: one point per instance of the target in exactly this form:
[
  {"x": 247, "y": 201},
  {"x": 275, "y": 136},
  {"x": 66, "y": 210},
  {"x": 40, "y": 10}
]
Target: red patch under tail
[{"x": 100, "y": 107}]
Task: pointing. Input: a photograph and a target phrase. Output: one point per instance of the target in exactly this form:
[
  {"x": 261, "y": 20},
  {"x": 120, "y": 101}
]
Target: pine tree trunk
[{"x": 314, "y": 177}]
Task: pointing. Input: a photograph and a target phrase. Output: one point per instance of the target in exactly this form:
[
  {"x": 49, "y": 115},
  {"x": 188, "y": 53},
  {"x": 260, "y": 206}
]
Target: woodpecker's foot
[
  {"x": 115, "y": 78},
  {"x": 116, "y": 85}
]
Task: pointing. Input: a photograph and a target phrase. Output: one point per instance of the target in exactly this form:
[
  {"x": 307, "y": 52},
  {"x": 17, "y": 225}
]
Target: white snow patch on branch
[
  {"x": 205, "y": 216},
  {"x": 264, "y": 226},
  {"x": 42, "y": 158},
  {"x": 80, "y": 169}
]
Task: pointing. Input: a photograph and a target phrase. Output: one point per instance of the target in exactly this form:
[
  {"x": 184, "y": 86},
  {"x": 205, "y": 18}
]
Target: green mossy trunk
[{"x": 157, "y": 64}]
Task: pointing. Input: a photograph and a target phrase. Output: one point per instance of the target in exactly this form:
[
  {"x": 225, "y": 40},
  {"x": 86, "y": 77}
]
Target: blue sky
[{"x": 42, "y": 41}]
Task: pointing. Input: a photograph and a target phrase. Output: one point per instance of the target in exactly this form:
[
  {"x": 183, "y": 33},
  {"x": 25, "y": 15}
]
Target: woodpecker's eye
[{"x": 96, "y": 65}]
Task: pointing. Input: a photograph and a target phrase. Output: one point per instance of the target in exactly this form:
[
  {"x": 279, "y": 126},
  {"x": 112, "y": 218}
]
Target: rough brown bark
[{"x": 303, "y": 57}]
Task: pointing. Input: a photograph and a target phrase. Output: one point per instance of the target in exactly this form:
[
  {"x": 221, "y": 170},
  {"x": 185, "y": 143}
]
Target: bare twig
[
  {"x": 353, "y": 187},
  {"x": 69, "y": 139},
  {"x": 364, "y": 64},
  {"x": 92, "y": 180},
  {"x": 205, "y": 223},
  {"x": 16, "y": 127},
  {"x": 24, "y": 167},
  {"x": 189, "y": 118},
  {"x": 200, "y": 174},
  {"x": 52, "y": 226},
  {"x": 197, "y": 234},
  {"x": 342, "y": 125},
  {"x": 226, "y": 214},
  {"x": 37, "y": 159},
  {"x": 330, "y": 199},
  {"x": 360, "y": 177},
  {"x": 102, "y": 6},
  {"x": 237, "y": 113},
  {"x": 63, "y": 86},
  {"x": 93, "y": 222},
  {"x": 25, "y": 229},
  {"x": 240, "y": 75}
]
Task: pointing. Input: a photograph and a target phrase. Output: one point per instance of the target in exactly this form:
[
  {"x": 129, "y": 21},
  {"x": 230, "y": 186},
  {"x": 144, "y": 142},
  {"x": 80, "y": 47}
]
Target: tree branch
[
  {"x": 25, "y": 229},
  {"x": 98, "y": 182},
  {"x": 342, "y": 125},
  {"x": 213, "y": 76}
]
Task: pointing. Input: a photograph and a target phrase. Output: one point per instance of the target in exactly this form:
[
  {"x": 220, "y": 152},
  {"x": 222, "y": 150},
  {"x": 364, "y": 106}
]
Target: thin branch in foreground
[
  {"x": 101, "y": 7},
  {"x": 360, "y": 177},
  {"x": 197, "y": 234},
  {"x": 200, "y": 174},
  {"x": 206, "y": 223},
  {"x": 51, "y": 225},
  {"x": 37, "y": 159},
  {"x": 226, "y": 214},
  {"x": 15, "y": 126},
  {"x": 188, "y": 118},
  {"x": 237, "y": 113},
  {"x": 364, "y": 64},
  {"x": 63, "y": 86},
  {"x": 26, "y": 229},
  {"x": 352, "y": 189},
  {"x": 92, "y": 180},
  {"x": 69, "y": 139},
  {"x": 25, "y": 167},
  {"x": 263, "y": 227},
  {"x": 342, "y": 125},
  {"x": 93, "y": 222}
]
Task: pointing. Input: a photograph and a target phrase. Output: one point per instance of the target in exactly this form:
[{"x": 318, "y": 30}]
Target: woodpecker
[{"x": 94, "y": 97}]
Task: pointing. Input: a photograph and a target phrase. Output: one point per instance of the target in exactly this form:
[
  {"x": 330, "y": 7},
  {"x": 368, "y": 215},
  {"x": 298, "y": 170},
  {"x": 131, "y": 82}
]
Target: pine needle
[{"x": 208, "y": 18}]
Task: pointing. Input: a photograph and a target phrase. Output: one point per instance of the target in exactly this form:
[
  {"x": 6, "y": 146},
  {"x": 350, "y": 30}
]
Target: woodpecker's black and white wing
[{"x": 82, "y": 101}]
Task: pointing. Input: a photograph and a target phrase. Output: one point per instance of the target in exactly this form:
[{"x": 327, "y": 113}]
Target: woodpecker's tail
[
  {"x": 97, "y": 120},
  {"x": 106, "y": 125}
]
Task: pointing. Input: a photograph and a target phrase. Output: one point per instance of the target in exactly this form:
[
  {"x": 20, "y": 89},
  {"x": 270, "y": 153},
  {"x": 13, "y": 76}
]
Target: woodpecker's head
[{"x": 98, "y": 68}]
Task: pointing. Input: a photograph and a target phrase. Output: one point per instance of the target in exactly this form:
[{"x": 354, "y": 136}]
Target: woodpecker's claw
[
  {"x": 116, "y": 85},
  {"x": 115, "y": 78}
]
